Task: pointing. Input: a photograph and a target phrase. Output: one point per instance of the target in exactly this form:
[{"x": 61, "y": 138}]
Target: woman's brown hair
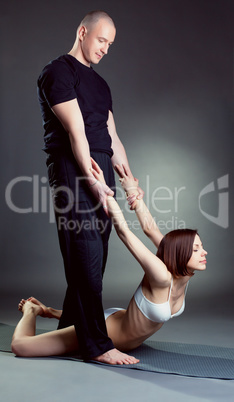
[{"x": 175, "y": 250}]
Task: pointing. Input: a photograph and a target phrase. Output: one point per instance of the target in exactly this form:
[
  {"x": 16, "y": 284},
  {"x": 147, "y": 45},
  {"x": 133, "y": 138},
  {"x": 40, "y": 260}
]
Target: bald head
[
  {"x": 92, "y": 18},
  {"x": 94, "y": 36}
]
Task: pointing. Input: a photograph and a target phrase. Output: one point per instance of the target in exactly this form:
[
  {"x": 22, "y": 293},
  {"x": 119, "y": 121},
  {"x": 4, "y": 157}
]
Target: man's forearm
[
  {"x": 81, "y": 151},
  {"x": 69, "y": 114},
  {"x": 119, "y": 157}
]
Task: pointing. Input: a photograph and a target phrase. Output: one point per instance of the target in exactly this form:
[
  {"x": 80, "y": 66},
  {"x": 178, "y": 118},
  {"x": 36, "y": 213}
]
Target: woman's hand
[
  {"x": 128, "y": 182},
  {"x": 130, "y": 185}
]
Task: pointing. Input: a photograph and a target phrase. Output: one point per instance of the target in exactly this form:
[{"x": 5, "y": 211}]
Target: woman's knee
[{"x": 19, "y": 347}]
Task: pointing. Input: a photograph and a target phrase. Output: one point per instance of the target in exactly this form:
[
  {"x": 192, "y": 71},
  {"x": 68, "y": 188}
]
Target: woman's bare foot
[
  {"x": 27, "y": 306},
  {"x": 21, "y": 304},
  {"x": 114, "y": 356},
  {"x": 47, "y": 312}
]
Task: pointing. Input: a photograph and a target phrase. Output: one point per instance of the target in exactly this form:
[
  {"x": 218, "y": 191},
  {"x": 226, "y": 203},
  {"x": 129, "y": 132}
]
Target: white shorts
[{"x": 111, "y": 311}]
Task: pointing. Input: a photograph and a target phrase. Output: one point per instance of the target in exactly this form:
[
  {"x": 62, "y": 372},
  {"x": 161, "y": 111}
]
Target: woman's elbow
[
  {"x": 121, "y": 235},
  {"x": 124, "y": 234},
  {"x": 147, "y": 231}
]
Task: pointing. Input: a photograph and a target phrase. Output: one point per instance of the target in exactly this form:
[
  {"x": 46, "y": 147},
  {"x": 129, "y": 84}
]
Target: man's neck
[{"x": 79, "y": 56}]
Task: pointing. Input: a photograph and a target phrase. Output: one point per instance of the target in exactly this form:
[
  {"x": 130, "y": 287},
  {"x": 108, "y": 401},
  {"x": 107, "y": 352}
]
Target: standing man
[{"x": 78, "y": 121}]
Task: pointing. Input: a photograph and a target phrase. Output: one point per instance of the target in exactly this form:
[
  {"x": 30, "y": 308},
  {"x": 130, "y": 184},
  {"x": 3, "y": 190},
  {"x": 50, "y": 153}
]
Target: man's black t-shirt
[{"x": 64, "y": 79}]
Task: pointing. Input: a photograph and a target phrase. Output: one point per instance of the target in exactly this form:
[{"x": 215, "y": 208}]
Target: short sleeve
[
  {"x": 110, "y": 101},
  {"x": 57, "y": 83}
]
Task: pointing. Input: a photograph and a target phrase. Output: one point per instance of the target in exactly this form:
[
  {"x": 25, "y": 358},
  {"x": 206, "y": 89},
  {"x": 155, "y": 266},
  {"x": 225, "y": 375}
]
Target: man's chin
[{"x": 95, "y": 61}]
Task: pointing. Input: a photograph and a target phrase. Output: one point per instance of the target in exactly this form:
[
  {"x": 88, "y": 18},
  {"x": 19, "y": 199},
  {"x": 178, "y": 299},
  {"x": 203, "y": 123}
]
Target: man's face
[{"x": 96, "y": 41}]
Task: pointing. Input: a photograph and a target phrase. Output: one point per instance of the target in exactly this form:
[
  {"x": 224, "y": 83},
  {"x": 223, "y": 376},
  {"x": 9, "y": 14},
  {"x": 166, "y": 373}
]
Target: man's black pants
[{"x": 83, "y": 230}]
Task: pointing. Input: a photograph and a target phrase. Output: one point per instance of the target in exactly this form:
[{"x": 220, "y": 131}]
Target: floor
[
  {"x": 48, "y": 379},
  {"x": 59, "y": 380}
]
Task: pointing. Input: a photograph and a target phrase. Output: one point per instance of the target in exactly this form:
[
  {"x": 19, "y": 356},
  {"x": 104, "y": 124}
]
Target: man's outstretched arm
[
  {"x": 71, "y": 118},
  {"x": 119, "y": 157}
]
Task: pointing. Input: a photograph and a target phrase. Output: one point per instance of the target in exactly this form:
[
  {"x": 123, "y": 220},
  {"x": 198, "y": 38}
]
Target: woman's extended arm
[
  {"x": 155, "y": 270},
  {"x": 144, "y": 216}
]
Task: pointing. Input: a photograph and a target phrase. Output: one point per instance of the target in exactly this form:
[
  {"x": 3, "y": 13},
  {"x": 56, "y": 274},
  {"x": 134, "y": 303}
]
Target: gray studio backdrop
[{"x": 170, "y": 71}]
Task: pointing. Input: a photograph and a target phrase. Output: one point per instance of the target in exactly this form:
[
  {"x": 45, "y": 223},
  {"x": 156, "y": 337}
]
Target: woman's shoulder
[{"x": 163, "y": 282}]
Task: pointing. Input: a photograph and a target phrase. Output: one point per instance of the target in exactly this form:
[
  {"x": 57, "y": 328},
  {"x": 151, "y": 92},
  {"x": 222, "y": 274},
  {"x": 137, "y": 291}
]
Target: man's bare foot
[
  {"x": 114, "y": 356},
  {"x": 27, "y": 306}
]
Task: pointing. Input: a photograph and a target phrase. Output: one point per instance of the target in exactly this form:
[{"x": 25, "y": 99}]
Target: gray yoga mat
[{"x": 164, "y": 357}]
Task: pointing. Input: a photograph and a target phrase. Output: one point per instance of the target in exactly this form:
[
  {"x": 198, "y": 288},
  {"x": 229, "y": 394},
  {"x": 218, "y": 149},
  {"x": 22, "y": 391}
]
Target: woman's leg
[{"x": 25, "y": 343}]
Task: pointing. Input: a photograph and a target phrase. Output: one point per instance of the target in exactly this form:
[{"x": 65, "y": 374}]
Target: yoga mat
[{"x": 164, "y": 357}]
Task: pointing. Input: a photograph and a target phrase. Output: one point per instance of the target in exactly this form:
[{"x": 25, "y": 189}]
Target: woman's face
[{"x": 197, "y": 260}]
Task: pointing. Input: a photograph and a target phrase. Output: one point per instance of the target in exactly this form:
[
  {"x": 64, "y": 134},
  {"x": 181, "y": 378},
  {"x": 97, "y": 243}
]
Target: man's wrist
[
  {"x": 91, "y": 181},
  {"x": 93, "y": 184}
]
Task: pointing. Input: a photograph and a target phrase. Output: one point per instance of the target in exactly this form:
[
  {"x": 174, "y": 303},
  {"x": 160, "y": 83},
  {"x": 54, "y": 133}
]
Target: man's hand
[{"x": 97, "y": 171}]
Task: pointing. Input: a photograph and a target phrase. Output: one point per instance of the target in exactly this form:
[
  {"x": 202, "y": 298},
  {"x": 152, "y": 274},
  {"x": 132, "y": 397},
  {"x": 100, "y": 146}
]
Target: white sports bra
[{"x": 156, "y": 312}]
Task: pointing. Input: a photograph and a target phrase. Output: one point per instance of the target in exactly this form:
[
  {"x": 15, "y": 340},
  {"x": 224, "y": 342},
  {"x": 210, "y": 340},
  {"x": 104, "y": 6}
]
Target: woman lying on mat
[{"x": 159, "y": 297}]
